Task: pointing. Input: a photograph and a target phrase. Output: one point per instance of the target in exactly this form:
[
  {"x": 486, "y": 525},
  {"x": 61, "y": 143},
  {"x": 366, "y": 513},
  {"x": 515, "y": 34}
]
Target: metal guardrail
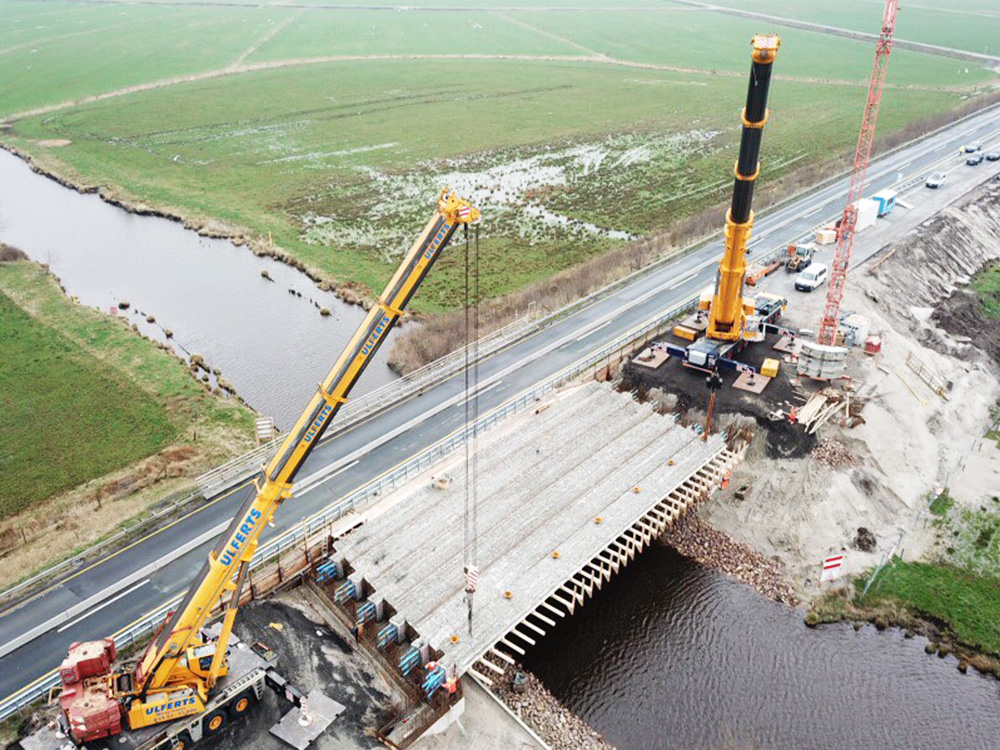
[
  {"x": 388, "y": 481},
  {"x": 418, "y": 381},
  {"x": 244, "y": 466}
]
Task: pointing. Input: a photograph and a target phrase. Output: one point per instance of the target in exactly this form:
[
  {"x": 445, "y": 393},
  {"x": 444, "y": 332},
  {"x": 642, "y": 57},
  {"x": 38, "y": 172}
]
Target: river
[
  {"x": 270, "y": 343},
  {"x": 671, "y": 654}
]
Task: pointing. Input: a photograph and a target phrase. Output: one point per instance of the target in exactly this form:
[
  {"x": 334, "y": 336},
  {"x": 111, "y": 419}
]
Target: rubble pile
[
  {"x": 694, "y": 538},
  {"x": 832, "y": 453},
  {"x": 559, "y": 727}
]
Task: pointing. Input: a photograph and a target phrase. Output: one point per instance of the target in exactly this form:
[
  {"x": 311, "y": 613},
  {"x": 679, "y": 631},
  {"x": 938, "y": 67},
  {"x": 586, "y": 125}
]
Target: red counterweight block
[
  {"x": 90, "y": 711},
  {"x": 87, "y": 659}
]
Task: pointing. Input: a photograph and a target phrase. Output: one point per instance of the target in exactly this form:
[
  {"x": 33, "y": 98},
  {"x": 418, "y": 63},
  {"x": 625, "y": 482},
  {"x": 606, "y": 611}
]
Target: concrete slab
[
  {"x": 755, "y": 385},
  {"x": 486, "y": 723},
  {"x": 787, "y": 345},
  {"x": 652, "y": 358},
  {"x": 592, "y": 454},
  {"x": 301, "y": 726}
]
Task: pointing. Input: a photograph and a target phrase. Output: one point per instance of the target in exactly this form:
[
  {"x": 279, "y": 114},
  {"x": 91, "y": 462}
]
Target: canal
[
  {"x": 266, "y": 337},
  {"x": 672, "y": 654}
]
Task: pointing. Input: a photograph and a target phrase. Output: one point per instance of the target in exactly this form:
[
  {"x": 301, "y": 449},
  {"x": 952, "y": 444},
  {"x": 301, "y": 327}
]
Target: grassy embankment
[
  {"x": 953, "y": 598},
  {"x": 987, "y": 285},
  {"x": 98, "y": 422}
]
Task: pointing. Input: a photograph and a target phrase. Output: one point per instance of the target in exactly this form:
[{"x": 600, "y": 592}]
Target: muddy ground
[
  {"x": 310, "y": 655},
  {"x": 961, "y": 315},
  {"x": 689, "y": 396}
]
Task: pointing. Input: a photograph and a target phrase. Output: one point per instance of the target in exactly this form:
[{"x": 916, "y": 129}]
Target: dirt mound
[
  {"x": 9, "y": 253},
  {"x": 962, "y": 315}
]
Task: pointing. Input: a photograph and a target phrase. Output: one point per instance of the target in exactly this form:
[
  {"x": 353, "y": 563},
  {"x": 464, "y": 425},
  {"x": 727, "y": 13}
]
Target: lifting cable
[{"x": 471, "y": 417}]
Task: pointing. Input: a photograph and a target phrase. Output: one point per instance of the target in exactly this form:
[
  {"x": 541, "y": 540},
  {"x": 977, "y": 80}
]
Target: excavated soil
[
  {"x": 310, "y": 655},
  {"x": 961, "y": 315}
]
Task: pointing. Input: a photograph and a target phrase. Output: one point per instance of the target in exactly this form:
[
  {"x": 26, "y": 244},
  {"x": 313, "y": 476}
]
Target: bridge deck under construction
[{"x": 566, "y": 494}]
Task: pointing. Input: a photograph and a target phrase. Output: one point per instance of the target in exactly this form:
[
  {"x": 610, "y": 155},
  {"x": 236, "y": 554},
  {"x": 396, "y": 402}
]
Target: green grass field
[
  {"x": 707, "y": 43},
  {"x": 967, "y": 603},
  {"x": 568, "y": 127},
  {"x": 987, "y": 285},
  {"x": 82, "y": 395},
  {"x": 343, "y": 168},
  {"x": 971, "y": 25}
]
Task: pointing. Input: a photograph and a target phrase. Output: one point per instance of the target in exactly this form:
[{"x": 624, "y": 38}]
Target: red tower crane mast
[{"x": 862, "y": 158}]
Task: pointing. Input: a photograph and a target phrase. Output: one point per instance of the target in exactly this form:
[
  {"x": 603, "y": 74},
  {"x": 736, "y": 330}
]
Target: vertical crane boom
[
  {"x": 728, "y": 309},
  {"x": 862, "y": 158},
  {"x": 179, "y": 668}
]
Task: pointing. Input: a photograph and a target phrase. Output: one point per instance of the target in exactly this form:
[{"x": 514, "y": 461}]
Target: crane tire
[
  {"x": 215, "y": 722},
  {"x": 242, "y": 703},
  {"x": 182, "y": 742}
]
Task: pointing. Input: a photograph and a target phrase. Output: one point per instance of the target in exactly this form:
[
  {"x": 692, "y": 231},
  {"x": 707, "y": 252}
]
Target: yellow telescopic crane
[
  {"x": 180, "y": 667},
  {"x": 729, "y": 310}
]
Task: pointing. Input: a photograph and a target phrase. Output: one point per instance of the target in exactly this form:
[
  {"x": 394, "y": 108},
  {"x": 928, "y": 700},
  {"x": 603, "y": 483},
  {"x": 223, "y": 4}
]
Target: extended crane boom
[
  {"x": 728, "y": 309},
  {"x": 862, "y": 158},
  {"x": 179, "y": 668}
]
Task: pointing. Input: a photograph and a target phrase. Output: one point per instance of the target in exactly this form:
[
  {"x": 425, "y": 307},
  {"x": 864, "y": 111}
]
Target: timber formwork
[{"x": 566, "y": 498}]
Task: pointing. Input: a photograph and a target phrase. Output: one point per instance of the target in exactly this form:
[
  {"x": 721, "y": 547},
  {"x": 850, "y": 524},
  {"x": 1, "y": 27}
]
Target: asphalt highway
[{"x": 93, "y": 602}]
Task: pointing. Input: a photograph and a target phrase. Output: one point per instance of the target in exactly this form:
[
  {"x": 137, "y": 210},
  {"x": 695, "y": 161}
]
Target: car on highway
[
  {"x": 973, "y": 147},
  {"x": 993, "y": 156},
  {"x": 975, "y": 159},
  {"x": 936, "y": 180},
  {"x": 811, "y": 278}
]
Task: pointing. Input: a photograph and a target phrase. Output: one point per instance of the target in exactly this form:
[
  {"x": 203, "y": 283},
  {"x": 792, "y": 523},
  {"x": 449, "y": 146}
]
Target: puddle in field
[{"x": 534, "y": 194}]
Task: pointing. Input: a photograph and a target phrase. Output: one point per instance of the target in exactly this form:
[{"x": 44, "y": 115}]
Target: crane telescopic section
[
  {"x": 180, "y": 667},
  {"x": 728, "y": 309}
]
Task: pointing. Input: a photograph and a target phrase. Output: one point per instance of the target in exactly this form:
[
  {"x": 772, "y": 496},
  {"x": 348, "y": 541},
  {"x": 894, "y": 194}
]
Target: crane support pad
[{"x": 319, "y": 712}]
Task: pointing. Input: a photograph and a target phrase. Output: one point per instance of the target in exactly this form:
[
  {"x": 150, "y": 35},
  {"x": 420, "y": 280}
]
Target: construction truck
[
  {"x": 192, "y": 679},
  {"x": 732, "y": 319},
  {"x": 799, "y": 257}
]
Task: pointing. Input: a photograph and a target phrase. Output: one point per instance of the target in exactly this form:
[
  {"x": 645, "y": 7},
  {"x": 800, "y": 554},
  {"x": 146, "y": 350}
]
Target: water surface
[
  {"x": 671, "y": 654},
  {"x": 269, "y": 342}
]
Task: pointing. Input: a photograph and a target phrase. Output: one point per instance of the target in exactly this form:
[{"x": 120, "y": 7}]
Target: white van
[{"x": 811, "y": 278}]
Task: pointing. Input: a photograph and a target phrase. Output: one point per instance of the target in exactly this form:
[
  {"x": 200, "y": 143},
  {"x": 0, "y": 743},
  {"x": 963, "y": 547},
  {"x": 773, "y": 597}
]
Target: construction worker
[
  {"x": 725, "y": 480},
  {"x": 793, "y": 415}
]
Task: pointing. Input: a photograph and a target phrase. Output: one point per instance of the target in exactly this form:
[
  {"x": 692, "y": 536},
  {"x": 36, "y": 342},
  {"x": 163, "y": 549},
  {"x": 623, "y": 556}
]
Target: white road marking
[
  {"x": 479, "y": 392},
  {"x": 80, "y": 619},
  {"x": 595, "y": 330},
  {"x": 681, "y": 279},
  {"x": 315, "y": 480}
]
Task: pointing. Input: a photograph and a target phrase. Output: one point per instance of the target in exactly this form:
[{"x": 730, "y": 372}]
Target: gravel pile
[
  {"x": 694, "y": 538},
  {"x": 832, "y": 453},
  {"x": 539, "y": 709}
]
